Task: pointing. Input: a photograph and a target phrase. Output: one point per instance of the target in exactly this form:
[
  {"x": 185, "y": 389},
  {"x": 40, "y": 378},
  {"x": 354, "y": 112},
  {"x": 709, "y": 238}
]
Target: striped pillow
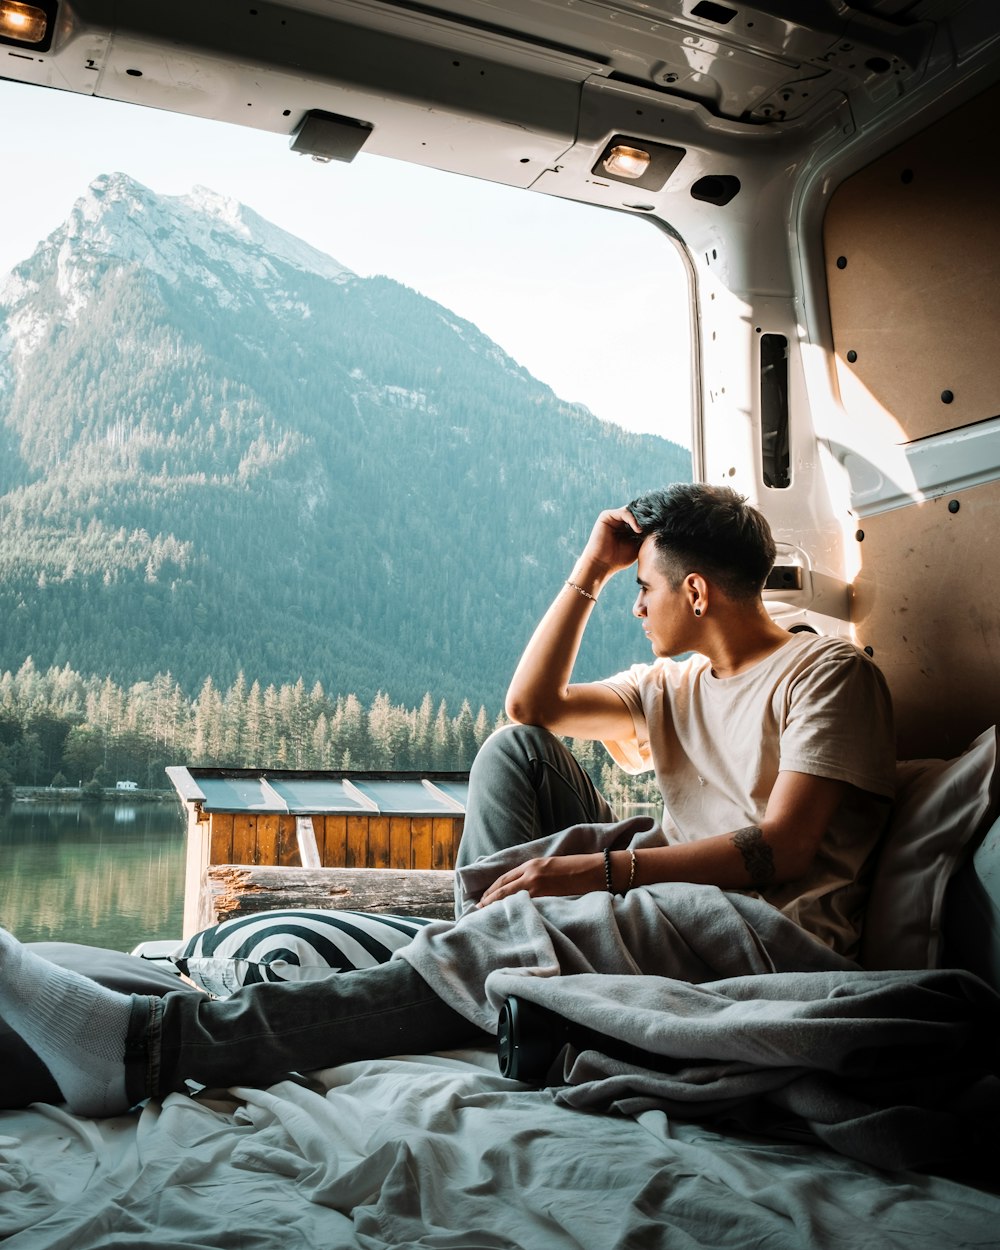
[{"x": 291, "y": 945}]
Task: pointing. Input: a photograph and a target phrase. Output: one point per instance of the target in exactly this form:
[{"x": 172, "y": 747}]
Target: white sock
[{"x": 75, "y": 1026}]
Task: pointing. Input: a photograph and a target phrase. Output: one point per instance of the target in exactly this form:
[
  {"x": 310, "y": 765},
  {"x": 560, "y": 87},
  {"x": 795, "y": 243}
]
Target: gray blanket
[
  {"x": 742, "y": 1014},
  {"x": 692, "y": 933}
]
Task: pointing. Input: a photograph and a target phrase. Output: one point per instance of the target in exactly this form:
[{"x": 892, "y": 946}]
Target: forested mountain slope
[{"x": 220, "y": 451}]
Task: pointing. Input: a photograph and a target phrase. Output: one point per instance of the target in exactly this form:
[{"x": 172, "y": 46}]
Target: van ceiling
[
  {"x": 525, "y": 92},
  {"x": 766, "y": 63},
  {"x": 770, "y": 63}
]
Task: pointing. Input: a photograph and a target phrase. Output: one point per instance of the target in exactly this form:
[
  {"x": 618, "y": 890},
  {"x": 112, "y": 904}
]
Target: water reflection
[
  {"x": 627, "y": 810},
  {"x": 100, "y": 873}
]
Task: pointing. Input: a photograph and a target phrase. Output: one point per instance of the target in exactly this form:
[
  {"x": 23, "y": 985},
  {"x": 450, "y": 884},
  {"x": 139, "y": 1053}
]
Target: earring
[{"x": 697, "y": 611}]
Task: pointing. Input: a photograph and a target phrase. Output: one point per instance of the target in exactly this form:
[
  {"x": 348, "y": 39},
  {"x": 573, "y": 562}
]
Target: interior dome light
[
  {"x": 625, "y": 162},
  {"x": 637, "y": 161},
  {"x": 26, "y": 25}
]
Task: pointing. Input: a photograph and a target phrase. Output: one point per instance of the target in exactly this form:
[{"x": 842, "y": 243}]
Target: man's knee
[
  {"x": 526, "y": 739},
  {"x": 525, "y": 746}
]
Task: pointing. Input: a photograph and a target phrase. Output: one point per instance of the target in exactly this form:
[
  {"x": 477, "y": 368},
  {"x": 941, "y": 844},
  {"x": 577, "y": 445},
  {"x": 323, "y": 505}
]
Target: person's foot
[{"x": 75, "y": 1026}]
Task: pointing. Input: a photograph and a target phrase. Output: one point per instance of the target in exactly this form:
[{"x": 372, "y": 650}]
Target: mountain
[{"x": 221, "y": 450}]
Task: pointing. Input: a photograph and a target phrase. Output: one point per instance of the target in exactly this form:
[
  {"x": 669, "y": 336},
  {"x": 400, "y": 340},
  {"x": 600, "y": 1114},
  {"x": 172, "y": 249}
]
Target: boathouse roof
[{"x": 312, "y": 793}]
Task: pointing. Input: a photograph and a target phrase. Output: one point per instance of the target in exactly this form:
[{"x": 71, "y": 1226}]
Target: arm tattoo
[{"x": 758, "y": 857}]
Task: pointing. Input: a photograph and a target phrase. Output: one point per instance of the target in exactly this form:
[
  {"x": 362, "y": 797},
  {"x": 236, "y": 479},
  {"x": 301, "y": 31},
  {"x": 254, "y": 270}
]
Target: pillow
[
  {"x": 296, "y": 944},
  {"x": 941, "y": 807}
]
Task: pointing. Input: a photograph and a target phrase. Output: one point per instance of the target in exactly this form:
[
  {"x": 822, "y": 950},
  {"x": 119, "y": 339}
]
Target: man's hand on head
[{"x": 614, "y": 541}]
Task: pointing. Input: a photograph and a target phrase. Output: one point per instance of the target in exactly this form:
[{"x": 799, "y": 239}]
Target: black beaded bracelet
[{"x": 607, "y": 870}]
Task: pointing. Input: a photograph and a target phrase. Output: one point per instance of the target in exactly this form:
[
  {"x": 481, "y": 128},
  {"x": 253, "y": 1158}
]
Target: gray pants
[{"x": 524, "y": 784}]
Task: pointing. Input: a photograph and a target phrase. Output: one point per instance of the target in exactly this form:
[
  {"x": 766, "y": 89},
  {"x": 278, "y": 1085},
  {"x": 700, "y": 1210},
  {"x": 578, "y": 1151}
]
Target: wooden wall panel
[
  {"x": 222, "y": 838},
  {"x": 288, "y": 842},
  {"x": 457, "y": 828},
  {"x": 441, "y": 853},
  {"x": 267, "y": 839},
  {"x": 361, "y": 841},
  {"x": 378, "y": 842},
  {"x": 421, "y": 841},
  {"x": 927, "y": 601},
  {"x": 912, "y": 246},
  {"x": 357, "y": 842},
  {"x": 244, "y": 838},
  {"x": 399, "y": 842},
  {"x": 335, "y": 845}
]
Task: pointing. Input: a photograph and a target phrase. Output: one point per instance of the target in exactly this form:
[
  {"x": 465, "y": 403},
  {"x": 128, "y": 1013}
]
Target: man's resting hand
[{"x": 552, "y": 874}]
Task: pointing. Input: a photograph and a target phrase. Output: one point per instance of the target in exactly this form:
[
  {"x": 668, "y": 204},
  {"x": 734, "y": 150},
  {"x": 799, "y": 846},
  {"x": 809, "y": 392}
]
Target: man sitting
[{"x": 774, "y": 754}]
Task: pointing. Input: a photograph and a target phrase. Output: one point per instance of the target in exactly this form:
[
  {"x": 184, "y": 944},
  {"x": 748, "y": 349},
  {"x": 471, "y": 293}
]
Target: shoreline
[{"x": 80, "y": 794}]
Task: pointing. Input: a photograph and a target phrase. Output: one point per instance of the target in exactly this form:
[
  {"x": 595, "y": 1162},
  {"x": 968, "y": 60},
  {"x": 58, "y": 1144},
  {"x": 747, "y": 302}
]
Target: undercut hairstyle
[{"x": 712, "y": 530}]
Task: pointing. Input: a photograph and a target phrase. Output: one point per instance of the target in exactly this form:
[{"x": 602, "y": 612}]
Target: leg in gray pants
[
  {"x": 108, "y": 1051},
  {"x": 525, "y": 785}
]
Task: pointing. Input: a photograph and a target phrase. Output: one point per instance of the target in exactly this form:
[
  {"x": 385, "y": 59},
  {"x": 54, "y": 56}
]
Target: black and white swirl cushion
[{"x": 296, "y": 944}]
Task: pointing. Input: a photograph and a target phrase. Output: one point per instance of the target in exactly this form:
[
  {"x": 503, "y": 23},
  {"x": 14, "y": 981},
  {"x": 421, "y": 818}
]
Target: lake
[{"x": 106, "y": 874}]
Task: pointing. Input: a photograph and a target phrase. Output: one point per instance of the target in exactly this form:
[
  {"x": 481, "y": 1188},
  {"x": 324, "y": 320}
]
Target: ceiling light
[
  {"x": 626, "y": 162},
  {"x": 637, "y": 161},
  {"x": 27, "y": 25}
]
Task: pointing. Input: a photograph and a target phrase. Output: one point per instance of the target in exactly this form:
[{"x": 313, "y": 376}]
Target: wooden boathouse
[{"x": 363, "y": 841}]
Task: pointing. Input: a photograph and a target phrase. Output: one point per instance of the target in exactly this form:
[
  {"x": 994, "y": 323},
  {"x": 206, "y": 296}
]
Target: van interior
[{"x": 823, "y": 169}]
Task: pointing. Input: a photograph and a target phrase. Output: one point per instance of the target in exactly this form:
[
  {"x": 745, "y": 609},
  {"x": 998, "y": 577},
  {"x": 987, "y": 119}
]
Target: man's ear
[{"x": 697, "y": 591}]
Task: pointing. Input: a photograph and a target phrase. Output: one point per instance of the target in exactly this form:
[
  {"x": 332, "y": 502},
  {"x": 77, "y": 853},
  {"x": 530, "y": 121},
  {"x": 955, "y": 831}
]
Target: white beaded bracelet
[{"x": 580, "y": 591}]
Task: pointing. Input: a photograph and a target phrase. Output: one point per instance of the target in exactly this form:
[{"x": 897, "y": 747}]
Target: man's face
[{"x": 665, "y": 613}]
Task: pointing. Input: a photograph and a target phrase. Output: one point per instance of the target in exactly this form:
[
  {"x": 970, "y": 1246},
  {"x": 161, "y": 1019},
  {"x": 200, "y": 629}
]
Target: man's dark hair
[{"x": 710, "y": 530}]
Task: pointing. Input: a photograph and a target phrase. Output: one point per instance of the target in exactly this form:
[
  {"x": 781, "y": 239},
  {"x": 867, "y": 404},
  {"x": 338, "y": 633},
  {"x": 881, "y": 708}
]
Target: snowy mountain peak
[
  {"x": 251, "y": 228},
  {"x": 113, "y": 194},
  {"x": 227, "y": 250}
]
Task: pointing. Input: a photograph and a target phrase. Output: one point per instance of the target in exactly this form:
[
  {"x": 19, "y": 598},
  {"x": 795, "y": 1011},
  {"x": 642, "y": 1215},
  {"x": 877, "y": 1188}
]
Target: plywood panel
[
  {"x": 912, "y": 247},
  {"x": 927, "y": 601}
]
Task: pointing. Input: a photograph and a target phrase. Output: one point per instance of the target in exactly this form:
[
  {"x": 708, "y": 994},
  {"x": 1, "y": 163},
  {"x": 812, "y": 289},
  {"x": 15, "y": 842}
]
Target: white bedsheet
[{"x": 442, "y": 1152}]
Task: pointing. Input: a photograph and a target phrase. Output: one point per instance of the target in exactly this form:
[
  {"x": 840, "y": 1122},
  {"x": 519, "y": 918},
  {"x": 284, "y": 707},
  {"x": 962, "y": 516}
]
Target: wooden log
[{"x": 230, "y": 890}]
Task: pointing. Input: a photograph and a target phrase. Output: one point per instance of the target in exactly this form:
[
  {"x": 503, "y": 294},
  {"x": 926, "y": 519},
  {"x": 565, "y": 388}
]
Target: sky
[{"x": 575, "y": 294}]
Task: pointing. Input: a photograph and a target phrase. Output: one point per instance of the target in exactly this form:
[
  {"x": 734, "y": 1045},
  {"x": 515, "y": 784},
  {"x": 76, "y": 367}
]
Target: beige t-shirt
[{"x": 816, "y": 705}]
